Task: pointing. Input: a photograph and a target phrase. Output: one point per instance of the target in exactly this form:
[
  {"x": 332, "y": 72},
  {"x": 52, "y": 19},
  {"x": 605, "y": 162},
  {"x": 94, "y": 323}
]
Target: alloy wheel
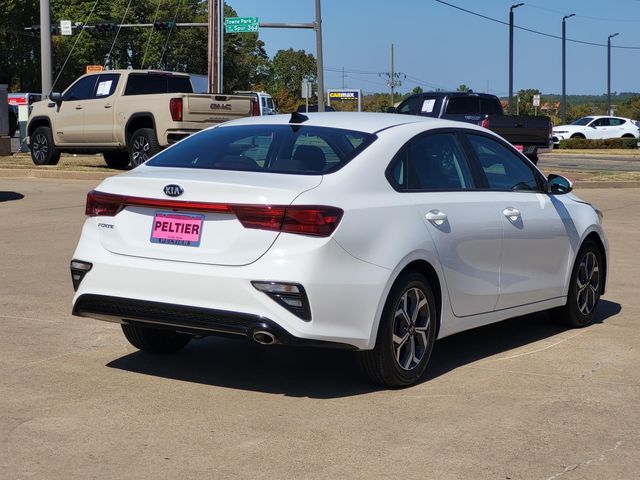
[
  {"x": 140, "y": 153},
  {"x": 411, "y": 323},
  {"x": 588, "y": 283},
  {"x": 40, "y": 147}
]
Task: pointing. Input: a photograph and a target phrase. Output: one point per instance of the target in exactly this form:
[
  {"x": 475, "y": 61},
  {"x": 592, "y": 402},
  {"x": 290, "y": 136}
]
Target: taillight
[
  {"x": 255, "y": 108},
  {"x": 485, "y": 123},
  {"x": 175, "y": 107},
  {"x": 317, "y": 221},
  {"x": 103, "y": 204}
]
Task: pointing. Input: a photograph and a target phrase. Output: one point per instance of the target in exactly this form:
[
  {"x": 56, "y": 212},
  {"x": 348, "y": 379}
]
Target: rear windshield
[
  {"x": 149, "y": 84},
  {"x": 292, "y": 149}
]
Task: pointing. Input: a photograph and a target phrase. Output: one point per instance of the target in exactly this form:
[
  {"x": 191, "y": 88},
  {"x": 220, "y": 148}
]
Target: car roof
[{"x": 359, "y": 121}]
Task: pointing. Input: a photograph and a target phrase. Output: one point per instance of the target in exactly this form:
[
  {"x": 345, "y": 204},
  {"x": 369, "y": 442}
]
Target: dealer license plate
[{"x": 177, "y": 229}]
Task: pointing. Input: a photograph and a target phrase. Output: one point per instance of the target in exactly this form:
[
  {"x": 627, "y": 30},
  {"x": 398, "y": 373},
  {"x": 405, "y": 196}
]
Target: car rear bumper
[
  {"x": 344, "y": 293},
  {"x": 194, "y": 320}
]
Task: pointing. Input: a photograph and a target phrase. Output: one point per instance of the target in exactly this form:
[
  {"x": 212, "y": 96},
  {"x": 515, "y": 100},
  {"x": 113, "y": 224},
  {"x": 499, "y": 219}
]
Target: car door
[
  {"x": 100, "y": 111},
  {"x": 68, "y": 121},
  {"x": 599, "y": 129},
  {"x": 536, "y": 248},
  {"x": 433, "y": 172}
]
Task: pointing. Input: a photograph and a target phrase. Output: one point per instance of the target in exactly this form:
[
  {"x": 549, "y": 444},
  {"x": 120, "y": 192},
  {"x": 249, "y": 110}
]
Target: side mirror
[
  {"x": 391, "y": 110},
  {"x": 56, "y": 97},
  {"x": 559, "y": 185}
]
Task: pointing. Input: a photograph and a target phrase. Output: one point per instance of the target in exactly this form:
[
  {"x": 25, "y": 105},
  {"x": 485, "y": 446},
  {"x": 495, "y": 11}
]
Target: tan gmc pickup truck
[{"x": 126, "y": 115}]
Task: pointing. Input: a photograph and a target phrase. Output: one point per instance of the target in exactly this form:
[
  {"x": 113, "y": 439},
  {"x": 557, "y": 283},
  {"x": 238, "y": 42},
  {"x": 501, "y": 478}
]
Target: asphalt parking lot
[{"x": 523, "y": 399}]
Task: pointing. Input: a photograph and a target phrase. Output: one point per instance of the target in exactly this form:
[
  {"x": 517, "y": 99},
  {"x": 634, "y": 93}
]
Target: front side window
[
  {"x": 503, "y": 168},
  {"x": 292, "y": 149},
  {"x": 601, "y": 122},
  {"x": 431, "y": 162},
  {"x": 410, "y": 105},
  {"x": 81, "y": 90}
]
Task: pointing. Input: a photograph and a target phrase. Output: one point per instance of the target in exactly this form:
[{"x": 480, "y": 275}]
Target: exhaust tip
[{"x": 263, "y": 337}]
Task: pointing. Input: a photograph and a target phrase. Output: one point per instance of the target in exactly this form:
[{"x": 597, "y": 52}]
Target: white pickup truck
[{"x": 127, "y": 116}]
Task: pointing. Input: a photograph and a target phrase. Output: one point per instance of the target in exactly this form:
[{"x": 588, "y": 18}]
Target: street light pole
[
  {"x": 564, "y": 67},
  {"x": 45, "y": 47},
  {"x": 511, "y": 55},
  {"x": 320, "y": 64},
  {"x": 609, "y": 72}
]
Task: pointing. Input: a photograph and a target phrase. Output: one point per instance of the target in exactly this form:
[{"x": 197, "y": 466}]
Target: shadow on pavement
[
  {"x": 325, "y": 373},
  {"x": 8, "y": 196}
]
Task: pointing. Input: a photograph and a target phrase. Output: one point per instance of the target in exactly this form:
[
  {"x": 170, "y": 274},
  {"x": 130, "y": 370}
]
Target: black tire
[
  {"x": 13, "y": 123},
  {"x": 155, "y": 340},
  {"x": 43, "y": 151},
  {"x": 143, "y": 145},
  {"x": 578, "y": 135},
  {"x": 117, "y": 159},
  {"x": 533, "y": 158},
  {"x": 381, "y": 364},
  {"x": 585, "y": 288}
]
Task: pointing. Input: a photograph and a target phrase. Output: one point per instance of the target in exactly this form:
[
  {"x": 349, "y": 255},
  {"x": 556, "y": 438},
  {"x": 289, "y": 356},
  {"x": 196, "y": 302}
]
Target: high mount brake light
[{"x": 313, "y": 220}]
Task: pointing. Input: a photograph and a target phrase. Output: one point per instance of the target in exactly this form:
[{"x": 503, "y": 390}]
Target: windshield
[
  {"x": 293, "y": 149},
  {"x": 583, "y": 121}
]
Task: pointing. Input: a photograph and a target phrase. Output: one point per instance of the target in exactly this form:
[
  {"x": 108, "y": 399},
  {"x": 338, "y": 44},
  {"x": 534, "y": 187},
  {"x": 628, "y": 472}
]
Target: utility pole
[
  {"x": 609, "y": 73},
  {"x": 394, "y": 79},
  {"x": 45, "y": 47},
  {"x": 320, "y": 65},
  {"x": 511, "y": 55},
  {"x": 564, "y": 67},
  {"x": 215, "y": 58}
]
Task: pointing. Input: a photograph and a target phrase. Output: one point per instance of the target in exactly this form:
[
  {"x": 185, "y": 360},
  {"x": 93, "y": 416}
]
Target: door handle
[
  {"x": 513, "y": 214},
  {"x": 78, "y": 107},
  {"x": 108, "y": 105},
  {"x": 436, "y": 217}
]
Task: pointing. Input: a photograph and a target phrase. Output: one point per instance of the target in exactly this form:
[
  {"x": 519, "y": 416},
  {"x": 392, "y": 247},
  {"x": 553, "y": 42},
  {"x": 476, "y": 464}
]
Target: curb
[{"x": 59, "y": 174}]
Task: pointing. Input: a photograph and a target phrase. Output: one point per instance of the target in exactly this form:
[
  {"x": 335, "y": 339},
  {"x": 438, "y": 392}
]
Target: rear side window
[
  {"x": 490, "y": 106},
  {"x": 616, "y": 122},
  {"x": 292, "y": 149},
  {"x": 144, "y": 84},
  {"x": 106, "y": 85},
  {"x": 504, "y": 169},
  {"x": 462, "y": 105},
  {"x": 431, "y": 162}
]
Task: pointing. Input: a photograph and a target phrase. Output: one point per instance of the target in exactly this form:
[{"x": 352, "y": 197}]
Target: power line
[{"x": 544, "y": 34}]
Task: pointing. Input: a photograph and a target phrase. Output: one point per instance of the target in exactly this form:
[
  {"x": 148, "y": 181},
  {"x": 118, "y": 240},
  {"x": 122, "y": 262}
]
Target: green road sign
[{"x": 241, "y": 24}]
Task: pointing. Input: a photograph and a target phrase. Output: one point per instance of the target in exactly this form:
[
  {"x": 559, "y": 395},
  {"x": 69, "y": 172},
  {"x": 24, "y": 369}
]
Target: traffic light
[
  {"x": 105, "y": 27},
  {"x": 163, "y": 26}
]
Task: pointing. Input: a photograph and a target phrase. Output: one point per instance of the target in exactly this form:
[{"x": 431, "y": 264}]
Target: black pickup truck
[{"x": 526, "y": 133}]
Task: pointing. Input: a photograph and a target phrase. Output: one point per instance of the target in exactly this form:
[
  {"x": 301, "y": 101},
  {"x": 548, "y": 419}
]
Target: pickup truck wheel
[
  {"x": 116, "y": 159},
  {"x": 154, "y": 340},
  {"x": 533, "y": 158},
  {"x": 143, "y": 145},
  {"x": 43, "y": 151}
]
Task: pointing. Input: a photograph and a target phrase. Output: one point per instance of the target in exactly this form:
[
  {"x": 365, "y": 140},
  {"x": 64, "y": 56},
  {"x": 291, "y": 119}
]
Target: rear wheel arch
[
  {"x": 629, "y": 135},
  {"x": 425, "y": 268},
  {"x": 138, "y": 121}
]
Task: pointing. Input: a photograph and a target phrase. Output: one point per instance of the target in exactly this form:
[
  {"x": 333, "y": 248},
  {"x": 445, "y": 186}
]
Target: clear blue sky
[{"x": 439, "y": 46}]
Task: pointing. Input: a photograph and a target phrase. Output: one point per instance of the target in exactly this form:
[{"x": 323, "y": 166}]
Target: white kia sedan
[
  {"x": 373, "y": 232},
  {"x": 597, "y": 127}
]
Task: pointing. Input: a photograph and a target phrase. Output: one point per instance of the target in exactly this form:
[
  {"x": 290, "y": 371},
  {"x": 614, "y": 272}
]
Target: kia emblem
[{"x": 173, "y": 190}]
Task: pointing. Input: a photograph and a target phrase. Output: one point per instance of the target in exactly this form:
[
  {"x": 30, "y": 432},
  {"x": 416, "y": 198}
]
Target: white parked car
[
  {"x": 597, "y": 127},
  {"x": 372, "y": 232}
]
